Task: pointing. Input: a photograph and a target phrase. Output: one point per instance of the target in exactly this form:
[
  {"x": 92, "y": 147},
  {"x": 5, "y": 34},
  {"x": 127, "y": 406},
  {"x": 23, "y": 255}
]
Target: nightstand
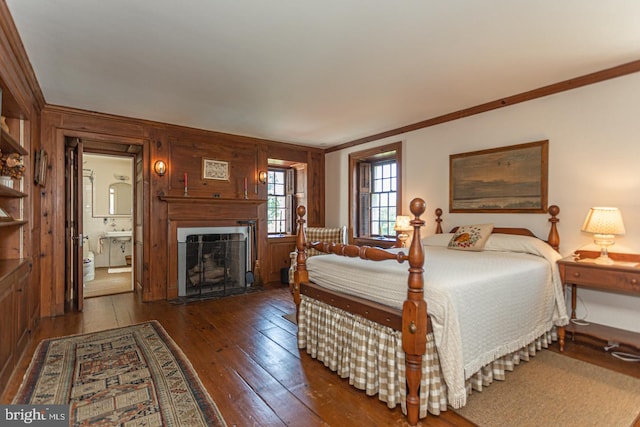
[
  {"x": 621, "y": 277},
  {"x": 376, "y": 242}
]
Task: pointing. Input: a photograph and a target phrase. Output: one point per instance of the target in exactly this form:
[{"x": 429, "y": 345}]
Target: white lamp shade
[
  {"x": 403, "y": 223},
  {"x": 603, "y": 220}
]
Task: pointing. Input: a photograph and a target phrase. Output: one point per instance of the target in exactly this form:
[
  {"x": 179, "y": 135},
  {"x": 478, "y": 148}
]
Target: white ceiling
[{"x": 313, "y": 72}]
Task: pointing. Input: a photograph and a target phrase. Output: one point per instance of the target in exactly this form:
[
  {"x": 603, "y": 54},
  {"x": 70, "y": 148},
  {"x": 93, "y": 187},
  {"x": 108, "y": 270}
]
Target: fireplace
[{"x": 214, "y": 261}]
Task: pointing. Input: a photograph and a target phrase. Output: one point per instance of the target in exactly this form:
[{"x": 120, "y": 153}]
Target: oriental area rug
[{"x": 131, "y": 376}]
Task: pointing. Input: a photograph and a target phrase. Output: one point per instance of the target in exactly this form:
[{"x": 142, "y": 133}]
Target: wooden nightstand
[
  {"x": 621, "y": 277},
  {"x": 376, "y": 242}
]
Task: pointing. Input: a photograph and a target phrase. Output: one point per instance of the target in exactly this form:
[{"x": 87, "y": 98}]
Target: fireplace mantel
[
  {"x": 201, "y": 199},
  {"x": 202, "y": 211}
]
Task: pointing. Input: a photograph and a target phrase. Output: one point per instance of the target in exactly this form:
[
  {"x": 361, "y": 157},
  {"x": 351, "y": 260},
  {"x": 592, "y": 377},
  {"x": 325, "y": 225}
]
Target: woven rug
[
  {"x": 134, "y": 376},
  {"x": 556, "y": 390}
]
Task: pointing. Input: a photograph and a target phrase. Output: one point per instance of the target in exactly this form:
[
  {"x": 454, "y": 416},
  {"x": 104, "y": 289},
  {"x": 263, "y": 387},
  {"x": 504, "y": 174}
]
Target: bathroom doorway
[
  {"x": 108, "y": 249},
  {"x": 102, "y": 217}
]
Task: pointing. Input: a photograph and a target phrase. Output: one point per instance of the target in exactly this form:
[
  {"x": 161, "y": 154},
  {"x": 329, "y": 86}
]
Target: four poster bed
[{"x": 427, "y": 341}]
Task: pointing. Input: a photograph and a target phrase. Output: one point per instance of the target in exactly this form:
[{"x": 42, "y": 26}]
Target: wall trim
[{"x": 587, "y": 79}]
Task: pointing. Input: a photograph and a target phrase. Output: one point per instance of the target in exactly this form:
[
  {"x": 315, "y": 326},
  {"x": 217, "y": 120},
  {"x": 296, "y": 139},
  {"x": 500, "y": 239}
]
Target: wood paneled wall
[
  {"x": 163, "y": 202},
  {"x": 22, "y": 99},
  {"x": 182, "y": 148}
]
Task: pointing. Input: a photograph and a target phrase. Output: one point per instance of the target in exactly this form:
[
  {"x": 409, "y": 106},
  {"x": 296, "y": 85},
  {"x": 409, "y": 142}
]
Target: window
[
  {"x": 276, "y": 201},
  {"x": 383, "y": 198},
  {"x": 375, "y": 191}
]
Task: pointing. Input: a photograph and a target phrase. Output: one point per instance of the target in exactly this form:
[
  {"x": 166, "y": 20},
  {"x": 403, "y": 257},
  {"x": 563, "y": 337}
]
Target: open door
[{"x": 74, "y": 260}]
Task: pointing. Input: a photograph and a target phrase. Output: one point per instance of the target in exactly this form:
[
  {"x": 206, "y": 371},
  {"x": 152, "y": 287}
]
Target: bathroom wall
[{"x": 96, "y": 219}]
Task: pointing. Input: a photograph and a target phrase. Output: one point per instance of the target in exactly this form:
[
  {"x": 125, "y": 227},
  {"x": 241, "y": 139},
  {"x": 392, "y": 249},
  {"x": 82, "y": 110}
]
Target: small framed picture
[
  {"x": 4, "y": 216},
  {"x": 215, "y": 169}
]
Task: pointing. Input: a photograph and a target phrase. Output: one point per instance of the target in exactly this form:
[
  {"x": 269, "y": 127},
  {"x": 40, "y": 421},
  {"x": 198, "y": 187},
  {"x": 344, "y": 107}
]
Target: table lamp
[
  {"x": 403, "y": 224},
  {"x": 605, "y": 223}
]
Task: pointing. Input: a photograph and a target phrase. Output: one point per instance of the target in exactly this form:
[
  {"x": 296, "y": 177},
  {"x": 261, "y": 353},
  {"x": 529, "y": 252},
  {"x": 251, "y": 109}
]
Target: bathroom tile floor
[{"x": 108, "y": 283}]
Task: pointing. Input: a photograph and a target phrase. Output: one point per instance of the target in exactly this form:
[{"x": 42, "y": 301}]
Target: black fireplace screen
[{"x": 215, "y": 264}]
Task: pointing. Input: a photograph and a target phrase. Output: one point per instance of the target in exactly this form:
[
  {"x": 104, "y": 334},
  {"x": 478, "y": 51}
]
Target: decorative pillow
[{"x": 471, "y": 237}]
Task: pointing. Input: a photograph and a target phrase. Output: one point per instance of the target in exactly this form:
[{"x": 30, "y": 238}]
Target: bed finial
[
  {"x": 554, "y": 237},
  {"x": 439, "y": 221},
  {"x": 418, "y": 206}
]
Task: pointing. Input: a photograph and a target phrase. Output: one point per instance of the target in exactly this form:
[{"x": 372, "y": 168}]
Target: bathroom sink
[{"x": 118, "y": 233}]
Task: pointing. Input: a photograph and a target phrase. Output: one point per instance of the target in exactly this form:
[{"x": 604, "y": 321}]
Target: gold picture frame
[
  {"x": 510, "y": 179},
  {"x": 215, "y": 169}
]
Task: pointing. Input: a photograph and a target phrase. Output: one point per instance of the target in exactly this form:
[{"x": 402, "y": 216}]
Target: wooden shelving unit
[
  {"x": 10, "y": 192},
  {"x": 17, "y": 292},
  {"x": 8, "y": 144}
]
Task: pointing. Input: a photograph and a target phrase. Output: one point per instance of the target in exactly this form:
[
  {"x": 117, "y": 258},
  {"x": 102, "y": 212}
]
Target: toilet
[{"x": 88, "y": 265}]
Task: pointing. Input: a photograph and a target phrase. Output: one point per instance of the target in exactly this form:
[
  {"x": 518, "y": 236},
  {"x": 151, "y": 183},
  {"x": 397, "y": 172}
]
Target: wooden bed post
[
  {"x": 554, "y": 238},
  {"x": 414, "y": 316},
  {"x": 554, "y": 241},
  {"x": 438, "y": 221},
  {"x": 301, "y": 274}
]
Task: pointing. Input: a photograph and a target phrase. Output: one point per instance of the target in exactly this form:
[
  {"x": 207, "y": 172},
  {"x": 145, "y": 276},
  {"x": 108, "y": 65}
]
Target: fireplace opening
[{"x": 213, "y": 261}]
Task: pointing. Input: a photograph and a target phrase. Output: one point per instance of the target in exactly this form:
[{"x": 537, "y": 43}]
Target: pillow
[
  {"x": 441, "y": 239},
  {"x": 524, "y": 244},
  {"x": 470, "y": 237}
]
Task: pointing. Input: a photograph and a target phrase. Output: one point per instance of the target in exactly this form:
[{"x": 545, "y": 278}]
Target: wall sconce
[
  {"x": 605, "y": 224},
  {"x": 262, "y": 177},
  {"x": 403, "y": 224},
  {"x": 160, "y": 167}
]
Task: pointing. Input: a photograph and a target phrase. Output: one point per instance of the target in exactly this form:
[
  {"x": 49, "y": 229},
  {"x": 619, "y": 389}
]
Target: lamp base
[
  {"x": 604, "y": 250},
  {"x": 403, "y": 239}
]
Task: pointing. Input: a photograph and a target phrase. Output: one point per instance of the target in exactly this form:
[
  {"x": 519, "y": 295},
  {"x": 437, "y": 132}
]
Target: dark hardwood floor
[{"x": 246, "y": 355}]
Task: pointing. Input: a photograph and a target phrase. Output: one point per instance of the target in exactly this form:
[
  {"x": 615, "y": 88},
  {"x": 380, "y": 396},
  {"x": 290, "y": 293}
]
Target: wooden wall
[
  {"x": 20, "y": 300},
  {"x": 182, "y": 148},
  {"x": 163, "y": 203}
]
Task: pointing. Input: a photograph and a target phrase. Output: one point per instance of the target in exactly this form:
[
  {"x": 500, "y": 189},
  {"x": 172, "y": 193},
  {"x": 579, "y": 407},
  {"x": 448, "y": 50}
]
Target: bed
[{"x": 426, "y": 341}]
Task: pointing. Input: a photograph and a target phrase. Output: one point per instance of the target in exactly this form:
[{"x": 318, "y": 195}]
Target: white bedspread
[{"x": 482, "y": 305}]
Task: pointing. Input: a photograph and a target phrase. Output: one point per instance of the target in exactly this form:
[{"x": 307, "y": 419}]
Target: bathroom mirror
[
  {"x": 120, "y": 198},
  {"x": 108, "y": 178}
]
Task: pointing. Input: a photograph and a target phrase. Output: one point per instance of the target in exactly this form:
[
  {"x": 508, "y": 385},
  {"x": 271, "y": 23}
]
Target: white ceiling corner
[{"x": 309, "y": 72}]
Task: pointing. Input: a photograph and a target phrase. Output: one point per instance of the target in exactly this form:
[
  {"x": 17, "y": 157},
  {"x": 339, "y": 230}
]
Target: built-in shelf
[
  {"x": 8, "y": 266},
  {"x": 8, "y": 144},
  {"x": 201, "y": 199},
  {"x": 12, "y": 223},
  {"x": 10, "y": 192}
]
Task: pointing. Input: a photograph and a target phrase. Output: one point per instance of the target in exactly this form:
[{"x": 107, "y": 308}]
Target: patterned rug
[{"x": 131, "y": 376}]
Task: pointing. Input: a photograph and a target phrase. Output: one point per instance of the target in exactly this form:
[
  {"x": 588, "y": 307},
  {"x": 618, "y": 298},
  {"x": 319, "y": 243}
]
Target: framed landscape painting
[{"x": 500, "y": 180}]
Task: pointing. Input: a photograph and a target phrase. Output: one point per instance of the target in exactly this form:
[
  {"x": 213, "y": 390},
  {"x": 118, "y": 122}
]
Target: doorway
[
  {"x": 107, "y": 195},
  {"x": 102, "y": 178}
]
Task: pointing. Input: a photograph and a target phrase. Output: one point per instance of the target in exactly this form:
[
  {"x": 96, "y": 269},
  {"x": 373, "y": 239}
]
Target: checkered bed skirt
[{"x": 370, "y": 356}]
